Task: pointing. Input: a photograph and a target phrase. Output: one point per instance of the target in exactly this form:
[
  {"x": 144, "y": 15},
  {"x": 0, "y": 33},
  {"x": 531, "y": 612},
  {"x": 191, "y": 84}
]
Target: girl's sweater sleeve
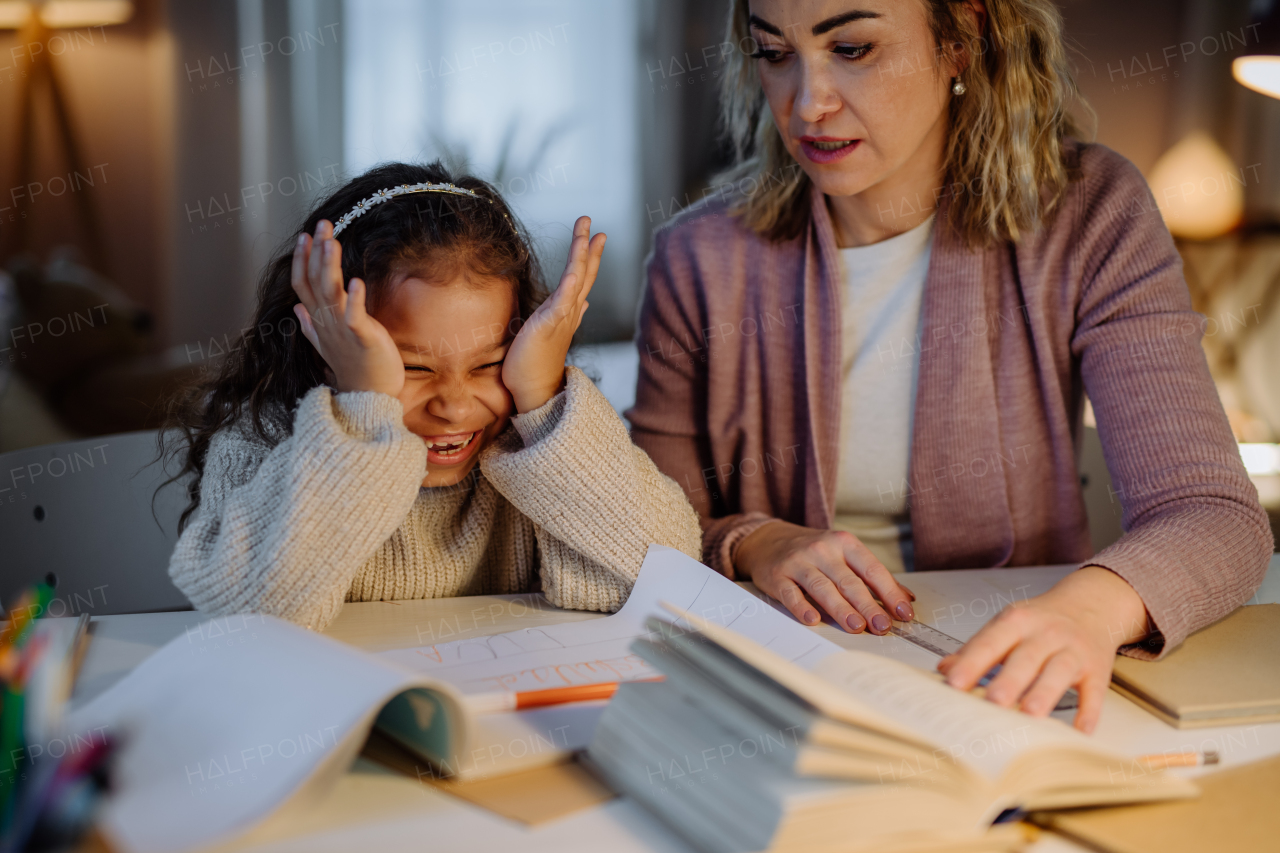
[
  {"x": 595, "y": 499},
  {"x": 284, "y": 530}
]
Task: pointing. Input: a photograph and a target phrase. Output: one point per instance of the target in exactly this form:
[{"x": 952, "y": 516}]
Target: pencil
[
  {"x": 496, "y": 703},
  {"x": 1161, "y": 760}
]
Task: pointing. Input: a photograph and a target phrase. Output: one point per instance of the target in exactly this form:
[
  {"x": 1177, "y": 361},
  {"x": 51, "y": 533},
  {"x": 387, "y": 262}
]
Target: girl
[{"x": 422, "y": 437}]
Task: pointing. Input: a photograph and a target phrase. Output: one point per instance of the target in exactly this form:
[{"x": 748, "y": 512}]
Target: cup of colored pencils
[{"x": 49, "y": 793}]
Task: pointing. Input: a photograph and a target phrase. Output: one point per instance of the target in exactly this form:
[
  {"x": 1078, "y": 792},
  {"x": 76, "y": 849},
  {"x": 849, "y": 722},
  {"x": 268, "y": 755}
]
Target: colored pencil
[
  {"x": 1161, "y": 760},
  {"x": 496, "y": 703}
]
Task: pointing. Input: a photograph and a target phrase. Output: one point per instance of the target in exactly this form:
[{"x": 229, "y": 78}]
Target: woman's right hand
[
  {"x": 797, "y": 565},
  {"x": 357, "y": 348}
]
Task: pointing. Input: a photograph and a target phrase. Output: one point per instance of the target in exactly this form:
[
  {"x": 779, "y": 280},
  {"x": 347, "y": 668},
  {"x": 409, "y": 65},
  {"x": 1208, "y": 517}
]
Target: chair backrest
[{"x": 83, "y": 511}]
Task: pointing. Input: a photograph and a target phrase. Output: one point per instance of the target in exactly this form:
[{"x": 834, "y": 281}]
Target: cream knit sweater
[{"x": 335, "y": 512}]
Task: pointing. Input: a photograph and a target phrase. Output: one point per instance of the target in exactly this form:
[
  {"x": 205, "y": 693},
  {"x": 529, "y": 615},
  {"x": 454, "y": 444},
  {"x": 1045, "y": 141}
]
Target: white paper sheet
[
  {"x": 599, "y": 650},
  {"x": 226, "y": 723}
]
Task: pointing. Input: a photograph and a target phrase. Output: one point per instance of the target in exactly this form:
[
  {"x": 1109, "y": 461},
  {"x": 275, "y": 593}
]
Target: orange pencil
[
  {"x": 495, "y": 703},
  {"x": 1161, "y": 760}
]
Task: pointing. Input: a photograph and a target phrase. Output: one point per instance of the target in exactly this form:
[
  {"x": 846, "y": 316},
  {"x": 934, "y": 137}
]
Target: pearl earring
[{"x": 958, "y": 88}]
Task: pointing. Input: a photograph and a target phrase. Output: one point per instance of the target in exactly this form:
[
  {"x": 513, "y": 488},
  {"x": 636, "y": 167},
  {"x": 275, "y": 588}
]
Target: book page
[
  {"x": 599, "y": 650},
  {"x": 962, "y": 727},
  {"x": 229, "y": 721}
]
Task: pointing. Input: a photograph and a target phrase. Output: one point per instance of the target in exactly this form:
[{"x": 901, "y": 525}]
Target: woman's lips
[
  {"x": 448, "y": 451},
  {"x": 826, "y": 154}
]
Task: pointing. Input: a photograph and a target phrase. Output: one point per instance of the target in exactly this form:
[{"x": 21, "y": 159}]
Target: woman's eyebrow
[
  {"x": 761, "y": 24},
  {"x": 819, "y": 28},
  {"x": 840, "y": 20}
]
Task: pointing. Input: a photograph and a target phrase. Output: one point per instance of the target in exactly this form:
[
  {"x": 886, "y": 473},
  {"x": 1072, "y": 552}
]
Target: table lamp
[
  {"x": 37, "y": 20},
  {"x": 1260, "y": 70}
]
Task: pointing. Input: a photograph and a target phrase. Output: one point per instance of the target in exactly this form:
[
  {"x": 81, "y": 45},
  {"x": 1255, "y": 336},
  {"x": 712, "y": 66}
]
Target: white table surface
[{"x": 372, "y": 808}]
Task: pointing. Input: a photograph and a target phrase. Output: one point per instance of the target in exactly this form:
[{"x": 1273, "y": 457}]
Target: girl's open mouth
[{"x": 449, "y": 450}]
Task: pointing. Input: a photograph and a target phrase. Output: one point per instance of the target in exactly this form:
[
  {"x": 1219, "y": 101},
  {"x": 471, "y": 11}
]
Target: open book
[
  {"x": 246, "y": 716},
  {"x": 740, "y": 749}
]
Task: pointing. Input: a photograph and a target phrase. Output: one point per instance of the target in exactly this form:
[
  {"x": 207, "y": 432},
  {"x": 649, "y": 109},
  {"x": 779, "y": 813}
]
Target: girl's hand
[
  {"x": 357, "y": 348},
  {"x": 1067, "y": 637},
  {"x": 534, "y": 367},
  {"x": 795, "y": 564}
]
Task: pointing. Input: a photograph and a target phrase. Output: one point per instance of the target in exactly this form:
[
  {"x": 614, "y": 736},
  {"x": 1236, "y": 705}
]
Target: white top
[{"x": 883, "y": 285}]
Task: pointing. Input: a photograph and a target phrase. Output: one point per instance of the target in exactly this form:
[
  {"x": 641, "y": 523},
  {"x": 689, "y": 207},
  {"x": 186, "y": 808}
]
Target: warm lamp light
[
  {"x": 37, "y": 20},
  {"x": 65, "y": 14},
  {"x": 1260, "y": 71},
  {"x": 1199, "y": 191}
]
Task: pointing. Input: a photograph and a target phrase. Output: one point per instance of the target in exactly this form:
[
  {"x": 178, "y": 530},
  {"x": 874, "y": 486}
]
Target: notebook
[
  {"x": 739, "y": 749},
  {"x": 1226, "y": 675}
]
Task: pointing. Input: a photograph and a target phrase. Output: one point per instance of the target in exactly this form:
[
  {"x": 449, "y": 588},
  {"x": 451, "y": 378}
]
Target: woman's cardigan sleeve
[
  {"x": 1197, "y": 542},
  {"x": 595, "y": 499},
  {"x": 669, "y": 417}
]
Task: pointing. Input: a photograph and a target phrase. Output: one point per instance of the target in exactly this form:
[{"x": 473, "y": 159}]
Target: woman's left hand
[
  {"x": 1066, "y": 638},
  {"x": 533, "y": 370}
]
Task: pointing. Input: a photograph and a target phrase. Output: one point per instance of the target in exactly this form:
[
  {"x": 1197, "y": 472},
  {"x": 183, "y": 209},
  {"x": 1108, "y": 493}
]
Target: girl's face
[
  {"x": 857, "y": 88},
  {"x": 453, "y": 337}
]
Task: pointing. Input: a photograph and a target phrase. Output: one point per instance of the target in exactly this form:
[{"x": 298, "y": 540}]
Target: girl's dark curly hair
[{"x": 271, "y": 366}]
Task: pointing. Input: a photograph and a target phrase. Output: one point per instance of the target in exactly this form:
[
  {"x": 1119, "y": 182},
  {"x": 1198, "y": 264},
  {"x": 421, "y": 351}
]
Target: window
[{"x": 537, "y": 97}]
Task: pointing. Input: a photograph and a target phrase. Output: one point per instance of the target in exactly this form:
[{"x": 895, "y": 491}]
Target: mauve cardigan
[{"x": 738, "y": 398}]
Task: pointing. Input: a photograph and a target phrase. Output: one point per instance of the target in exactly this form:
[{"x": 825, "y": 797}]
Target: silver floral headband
[{"x": 391, "y": 192}]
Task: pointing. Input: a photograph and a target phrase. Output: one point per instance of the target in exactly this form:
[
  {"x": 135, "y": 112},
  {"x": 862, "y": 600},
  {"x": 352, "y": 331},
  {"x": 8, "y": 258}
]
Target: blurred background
[{"x": 156, "y": 153}]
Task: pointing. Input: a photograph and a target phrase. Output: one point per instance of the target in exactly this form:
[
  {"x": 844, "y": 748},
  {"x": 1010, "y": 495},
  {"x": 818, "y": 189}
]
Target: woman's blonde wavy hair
[{"x": 1004, "y": 152}]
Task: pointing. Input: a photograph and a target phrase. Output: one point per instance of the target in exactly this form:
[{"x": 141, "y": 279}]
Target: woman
[{"x": 878, "y": 351}]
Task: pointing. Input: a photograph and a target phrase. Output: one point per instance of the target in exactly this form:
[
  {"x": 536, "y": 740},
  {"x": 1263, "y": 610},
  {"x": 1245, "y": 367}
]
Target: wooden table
[{"x": 372, "y": 808}]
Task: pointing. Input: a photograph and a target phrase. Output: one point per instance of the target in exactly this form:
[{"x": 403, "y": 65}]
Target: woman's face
[
  {"x": 453, "y": 337},
  {"x": 858, "y": 89}
]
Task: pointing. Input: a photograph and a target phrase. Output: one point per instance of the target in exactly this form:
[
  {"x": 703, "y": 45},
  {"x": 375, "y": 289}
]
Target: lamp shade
[
  {"x": 65, "y": 14},
  {"x": 1199, "y": 190},
  {"x": 1260, "y": 70}
]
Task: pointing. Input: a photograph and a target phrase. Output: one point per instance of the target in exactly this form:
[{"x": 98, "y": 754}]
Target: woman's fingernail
[
  {"x": 810, "y": 617},
  {"x": 904, "y": 612},
  {"x": 302, "y": 239},
  {"x": 855, "y": 623},
  {"x": 880, "y": 622}
]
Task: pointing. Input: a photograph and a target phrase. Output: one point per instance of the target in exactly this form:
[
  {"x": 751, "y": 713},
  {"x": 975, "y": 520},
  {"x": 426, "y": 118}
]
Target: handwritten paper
[{"x": 599, "y": 650}]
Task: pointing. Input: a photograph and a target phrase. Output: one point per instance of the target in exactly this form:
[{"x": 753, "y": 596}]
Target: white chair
[{"x": 83, "y": 511}]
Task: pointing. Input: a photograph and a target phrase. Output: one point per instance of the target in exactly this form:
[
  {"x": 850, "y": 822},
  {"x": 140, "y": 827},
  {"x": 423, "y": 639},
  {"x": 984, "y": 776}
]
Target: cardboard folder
[
  {"x": 1226, "y": 675},
  {"x": 1236, "y": 810}
]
